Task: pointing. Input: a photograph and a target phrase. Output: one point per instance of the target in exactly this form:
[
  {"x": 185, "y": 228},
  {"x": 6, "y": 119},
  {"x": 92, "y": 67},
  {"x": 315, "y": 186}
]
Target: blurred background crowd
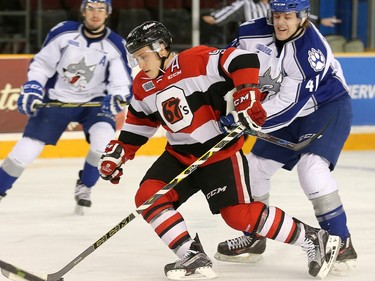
[{"x": 25, "y": 23}]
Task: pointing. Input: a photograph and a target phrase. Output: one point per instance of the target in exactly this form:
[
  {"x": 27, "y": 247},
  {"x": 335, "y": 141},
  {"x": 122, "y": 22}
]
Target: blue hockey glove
[
  {"x": 31, "y": 94},
  {"x": 113, "y": 104},
  {"x": 227, "y": 123}
]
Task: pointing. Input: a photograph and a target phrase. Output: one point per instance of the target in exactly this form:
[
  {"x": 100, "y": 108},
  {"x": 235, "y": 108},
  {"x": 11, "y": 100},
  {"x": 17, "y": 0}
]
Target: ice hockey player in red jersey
[{"x": 184, "y": 93}]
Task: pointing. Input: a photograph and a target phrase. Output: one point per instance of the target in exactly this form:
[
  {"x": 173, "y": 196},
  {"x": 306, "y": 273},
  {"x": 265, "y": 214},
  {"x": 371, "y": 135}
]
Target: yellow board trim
[{"x": 69, "y": 148}]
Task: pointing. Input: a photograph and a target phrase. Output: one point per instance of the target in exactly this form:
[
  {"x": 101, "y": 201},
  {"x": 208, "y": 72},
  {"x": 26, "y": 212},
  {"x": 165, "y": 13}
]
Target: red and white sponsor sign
[{"x": 13, "y": 71}]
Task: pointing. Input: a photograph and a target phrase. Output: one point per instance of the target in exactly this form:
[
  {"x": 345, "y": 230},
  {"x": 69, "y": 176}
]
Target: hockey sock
[
  {"x": 270, "y": 222},
  {"x": 6, "y": 181},
  {"x": 170, "y": 226},
  {"x": 335, "y": 224},
  {"x": 330, "y": 214},
  {"x": 90, "y": 175}
]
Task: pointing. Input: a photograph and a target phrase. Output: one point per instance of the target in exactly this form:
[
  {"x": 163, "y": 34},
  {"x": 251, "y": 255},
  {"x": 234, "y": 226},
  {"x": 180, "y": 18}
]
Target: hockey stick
[
  {"x": 285, "y": 143},
  {"x": 71, "y": 104},
  {"x": 13, "y": 273},
  {"x": 17, "y": 274}
]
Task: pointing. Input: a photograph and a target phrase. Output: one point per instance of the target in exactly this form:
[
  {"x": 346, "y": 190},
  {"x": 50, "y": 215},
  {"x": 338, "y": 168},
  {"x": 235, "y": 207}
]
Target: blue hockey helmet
[
  {"x": 107, "y": 2},
  {"x": 287, "y": 6},
  {"x": 301, "y": 7}
]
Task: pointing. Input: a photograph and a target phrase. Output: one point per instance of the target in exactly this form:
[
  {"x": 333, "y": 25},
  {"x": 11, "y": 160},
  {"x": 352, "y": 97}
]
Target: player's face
[
  {"x": 148, "y": 60},
  {"x": 95, "y": 15},
  {"x": 285, "y": 25}
]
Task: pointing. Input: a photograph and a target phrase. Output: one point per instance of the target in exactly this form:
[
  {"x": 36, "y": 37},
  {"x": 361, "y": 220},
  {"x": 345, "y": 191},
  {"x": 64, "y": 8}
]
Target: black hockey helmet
[{"x": 146, "y": 34}]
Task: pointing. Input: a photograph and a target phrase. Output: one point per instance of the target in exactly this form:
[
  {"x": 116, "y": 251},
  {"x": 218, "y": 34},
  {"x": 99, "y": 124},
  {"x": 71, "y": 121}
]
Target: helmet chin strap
[{"x": 162, "y": 61}]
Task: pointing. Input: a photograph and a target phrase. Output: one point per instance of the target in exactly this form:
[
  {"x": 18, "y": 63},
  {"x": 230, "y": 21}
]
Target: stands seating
[
  {"x": 336, "y": 42},
  {"x": 131, "y": 18},
  {"x": 354, "y": 45}
]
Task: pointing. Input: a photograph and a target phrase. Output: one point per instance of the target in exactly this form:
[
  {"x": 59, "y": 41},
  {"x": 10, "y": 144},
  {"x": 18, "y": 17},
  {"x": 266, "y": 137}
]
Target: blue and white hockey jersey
[
  {"x": 74, "y": 68},
  {"x": 298, "y": 77}
]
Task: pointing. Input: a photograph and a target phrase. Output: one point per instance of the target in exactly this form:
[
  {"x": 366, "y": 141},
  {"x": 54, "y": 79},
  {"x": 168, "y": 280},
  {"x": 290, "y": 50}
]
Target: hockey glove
[
  {"x": 113, "y": 104},
  {"x": 249, "y": 110},
  {"x": 227, "y": 123},
  {"x": 31, "y": 94},
  {"x": 111, "y": 161}
]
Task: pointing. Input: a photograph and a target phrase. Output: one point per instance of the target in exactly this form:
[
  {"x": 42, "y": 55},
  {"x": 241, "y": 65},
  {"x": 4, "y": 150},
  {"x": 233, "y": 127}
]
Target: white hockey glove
[
  {"x": 31, "y": 94},
  {"x": 249, "y": 110},
  {"x": 113, "y": 104},
  {"x": 111, "y": 161}
]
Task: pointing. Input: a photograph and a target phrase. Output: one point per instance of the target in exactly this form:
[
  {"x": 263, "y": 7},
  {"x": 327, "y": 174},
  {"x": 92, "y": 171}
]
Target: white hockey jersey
[
  {"x": 298, "y": 77},
  {"x": 74, "y": 68}
]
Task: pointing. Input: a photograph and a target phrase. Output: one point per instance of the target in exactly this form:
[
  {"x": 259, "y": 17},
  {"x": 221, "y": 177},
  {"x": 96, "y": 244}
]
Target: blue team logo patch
[
  {"x": 148, "y": 86},
  {"x": 264, "y": 49},
  {"x": 317, "y": 60},
  {"x": 74, "y": 43}
]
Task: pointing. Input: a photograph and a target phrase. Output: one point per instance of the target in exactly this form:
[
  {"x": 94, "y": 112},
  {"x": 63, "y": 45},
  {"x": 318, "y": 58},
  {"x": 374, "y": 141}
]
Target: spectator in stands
[{"x": 244, "y": 10}]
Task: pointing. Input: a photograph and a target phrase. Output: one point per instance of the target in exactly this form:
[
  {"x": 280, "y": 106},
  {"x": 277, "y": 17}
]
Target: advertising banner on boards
[{"x": 358, "y": 71}]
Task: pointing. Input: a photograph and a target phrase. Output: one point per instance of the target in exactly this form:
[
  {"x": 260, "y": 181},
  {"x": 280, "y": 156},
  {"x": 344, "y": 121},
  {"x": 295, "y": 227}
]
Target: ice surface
[{"x": 40, "y": 233}]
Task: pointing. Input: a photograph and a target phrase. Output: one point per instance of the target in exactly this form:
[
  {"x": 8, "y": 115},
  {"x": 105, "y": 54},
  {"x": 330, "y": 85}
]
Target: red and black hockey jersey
[{"x": 187, "y": 100}]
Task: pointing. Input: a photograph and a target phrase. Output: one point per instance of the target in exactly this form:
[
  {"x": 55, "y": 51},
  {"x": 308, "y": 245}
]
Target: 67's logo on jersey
[{"x": 174, "y": 109}]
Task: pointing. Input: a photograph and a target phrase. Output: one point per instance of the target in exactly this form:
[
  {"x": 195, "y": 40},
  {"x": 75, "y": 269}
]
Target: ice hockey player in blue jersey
[
  {"x": 302, "y": 87},
  {"x": 79, "y": 62}
]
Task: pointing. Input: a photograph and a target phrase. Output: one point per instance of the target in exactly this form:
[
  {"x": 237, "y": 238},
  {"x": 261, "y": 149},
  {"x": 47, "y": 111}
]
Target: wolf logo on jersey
[
  {"x": 269, "y": 86},
  {"x": 79, "y": 74}
]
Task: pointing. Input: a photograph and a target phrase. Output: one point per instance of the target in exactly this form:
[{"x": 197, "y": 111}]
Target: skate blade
[
  {"x": 201, "y": 273},
  {"x": 79, "y": 210},
  {"x": 332, "y": 248},
  {"x": 242, "y": 258},
  {"x": 343, "y": 268}
]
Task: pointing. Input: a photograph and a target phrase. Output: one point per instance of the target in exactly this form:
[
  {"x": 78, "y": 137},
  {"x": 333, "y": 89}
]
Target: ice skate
[
  {"x": 243, "y": 249},
  {"x": 322, "y": 250},
  {"x": 194, "y": 265},
  {"x": 82, "y": 196},
  {"x": 346, "y": 261}
]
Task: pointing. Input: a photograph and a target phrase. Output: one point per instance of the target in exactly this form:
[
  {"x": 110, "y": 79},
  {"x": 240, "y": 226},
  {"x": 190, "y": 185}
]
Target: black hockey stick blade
[
  {"x": 288, "y": 144},
  {"x": 17, "y": 274}
]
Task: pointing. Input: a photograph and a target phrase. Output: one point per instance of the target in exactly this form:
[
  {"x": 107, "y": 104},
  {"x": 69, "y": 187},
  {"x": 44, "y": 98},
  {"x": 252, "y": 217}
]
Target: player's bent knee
[
  {"x": 315, "y": 176},
  {"x": 149, "y": 188},
  {"x": 244, "y": 217}
]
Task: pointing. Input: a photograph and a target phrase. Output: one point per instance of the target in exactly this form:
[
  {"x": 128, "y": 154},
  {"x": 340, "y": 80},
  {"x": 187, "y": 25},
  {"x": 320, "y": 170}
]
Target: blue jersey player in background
[
  {"x": 79, "y": 62},
  {"x": 303, "y": 87}
]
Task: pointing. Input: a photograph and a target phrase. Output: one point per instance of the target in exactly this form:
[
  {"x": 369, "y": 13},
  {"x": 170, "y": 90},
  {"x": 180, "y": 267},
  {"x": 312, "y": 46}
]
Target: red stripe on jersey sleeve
[{"x": 245, "y": 76}]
